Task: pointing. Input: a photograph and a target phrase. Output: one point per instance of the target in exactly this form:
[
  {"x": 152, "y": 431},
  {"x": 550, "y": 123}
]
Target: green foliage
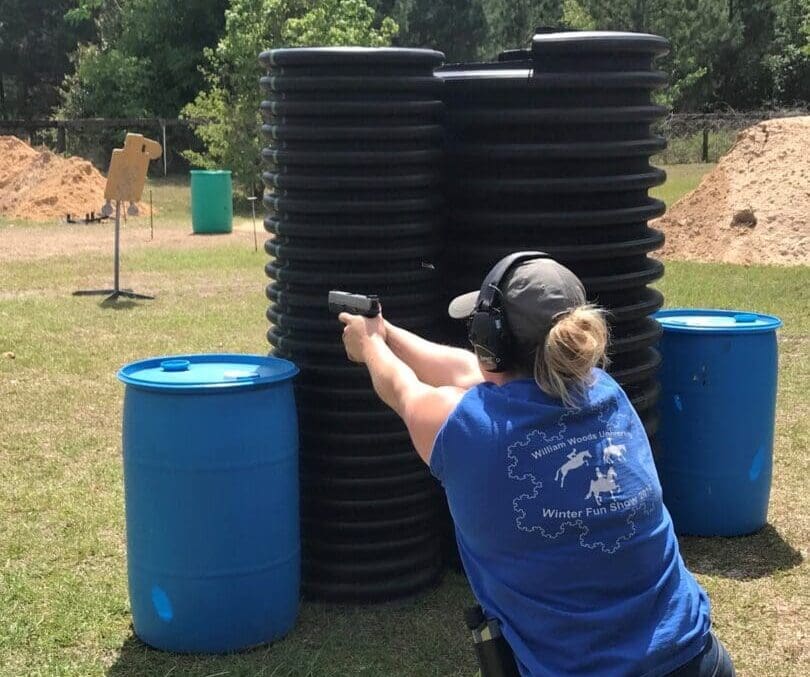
[
  {"x": 696, "y": 29},
  {"x": 104, "y": 84},
  {"x": 229, "y": 104},
  {"x": 35, "y": 41},
  {"x": 576, "y": 16},
  {"x": 230, "y": 100},
  {"x": 806, "y": 33},
  {"x": 339, "y": 22},
  {"x": 789, "y": 59},
  {"x": 741, "y": 77},
  {"x": 741, "y": 54},
  {"x": 172, "y": 35},
  {"x": 511, "y": 23},
  {"x": 104, "y": 15},
  {"x": 164, "y": 39},
  {"x": 456, "y": 27}
]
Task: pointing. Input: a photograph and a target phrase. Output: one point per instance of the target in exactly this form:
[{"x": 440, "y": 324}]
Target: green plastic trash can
[{"x": 211, "y": 201}]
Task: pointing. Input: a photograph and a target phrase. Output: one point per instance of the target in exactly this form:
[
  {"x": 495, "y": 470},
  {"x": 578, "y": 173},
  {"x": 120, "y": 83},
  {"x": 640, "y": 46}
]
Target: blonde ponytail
[{"x": 564, "y": 362}]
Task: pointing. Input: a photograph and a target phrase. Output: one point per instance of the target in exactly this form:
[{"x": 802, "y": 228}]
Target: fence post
[
  {"x": 165, "y": 160},
  {"x": 704, "y": 155},
  {"x": 61, "y": 142}
]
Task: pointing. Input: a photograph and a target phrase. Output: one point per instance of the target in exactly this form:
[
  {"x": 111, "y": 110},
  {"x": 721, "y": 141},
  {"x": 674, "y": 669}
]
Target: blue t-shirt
[{"x": 563, "y": 534}]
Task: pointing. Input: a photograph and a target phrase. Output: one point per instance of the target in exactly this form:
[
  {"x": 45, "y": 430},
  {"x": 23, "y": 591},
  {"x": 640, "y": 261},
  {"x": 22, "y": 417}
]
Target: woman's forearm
[
  {"x": 433, "y": 363},
  {"x": 390, "y": 375},
  {"x": 424, "y": 409}
]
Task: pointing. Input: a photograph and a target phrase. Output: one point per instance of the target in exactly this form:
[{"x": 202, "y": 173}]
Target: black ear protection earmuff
[{"x": 487, "y": 328}]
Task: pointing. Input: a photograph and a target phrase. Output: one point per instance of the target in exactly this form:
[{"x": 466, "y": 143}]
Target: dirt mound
[
  {"x": 39, "y": 185},
  {"x": 754, "y": 206}
]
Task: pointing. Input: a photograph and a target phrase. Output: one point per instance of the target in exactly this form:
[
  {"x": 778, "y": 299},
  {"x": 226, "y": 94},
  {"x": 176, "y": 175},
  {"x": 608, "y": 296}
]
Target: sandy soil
[
  {"x": 36, "y": 184},
  {"x": 754, "y": 207}
]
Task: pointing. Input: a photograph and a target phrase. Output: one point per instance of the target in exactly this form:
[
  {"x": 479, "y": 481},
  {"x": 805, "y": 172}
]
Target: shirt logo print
[{"x": 596, "y": 461}]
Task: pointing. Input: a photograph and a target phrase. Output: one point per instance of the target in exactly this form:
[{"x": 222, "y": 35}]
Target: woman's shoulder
[
  {"x": 604, "y": 388},
  {"x": 604, "y": 383},
  {"x": 603, "y": 378},
  {"x": 492, "y": 399}
]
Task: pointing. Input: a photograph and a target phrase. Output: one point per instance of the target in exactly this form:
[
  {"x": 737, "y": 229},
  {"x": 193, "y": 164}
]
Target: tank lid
[
  {"x": 206, "y": 372},
  {"x": 715, "y": 321},
  {"x": 571, "y": 42},
  {"x": 347, "y": 56},
  {"x": 502, "y": 72}
]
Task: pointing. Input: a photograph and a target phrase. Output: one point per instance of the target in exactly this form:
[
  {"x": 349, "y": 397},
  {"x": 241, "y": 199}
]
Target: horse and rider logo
[
  {"x": 603, "y": 484},
  {"x": 613, "y": 452},
  {"x": 576, "y": 459}
]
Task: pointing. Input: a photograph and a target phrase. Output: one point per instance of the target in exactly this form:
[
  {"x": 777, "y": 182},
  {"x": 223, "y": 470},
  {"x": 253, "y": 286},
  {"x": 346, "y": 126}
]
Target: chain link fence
[
  {"x": 705, "y": 137},
  {"x": 691, "y": 137},
  {"x": 94, "y": 138}
]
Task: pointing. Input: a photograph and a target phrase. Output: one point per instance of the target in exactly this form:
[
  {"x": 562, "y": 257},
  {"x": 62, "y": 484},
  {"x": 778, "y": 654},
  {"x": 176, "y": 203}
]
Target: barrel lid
[
  {"x": 702, "y": 320},
  {"x": 206, "y": 372}
]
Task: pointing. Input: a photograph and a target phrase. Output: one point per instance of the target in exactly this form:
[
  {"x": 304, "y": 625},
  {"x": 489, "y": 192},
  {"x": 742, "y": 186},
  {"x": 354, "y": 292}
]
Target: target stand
[
  {"x": 116, "y": 292},
  {"x": 125, "y": 182}
]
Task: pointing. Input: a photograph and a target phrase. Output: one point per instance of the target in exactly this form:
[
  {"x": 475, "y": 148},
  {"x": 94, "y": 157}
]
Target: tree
[
  {"x": 157, "y": 44},
  {"x": 743, "y": 79},
  {"x": 35, "y": 41},
  {"x": 698, "y": 30},
  {"x": 105, "y": 84},
  {"x": 788, "y": 58},
  {"x": 339, "y": 22},
  {"x": 456, "y": 27},
  {"x": 512, "y": 22},
  {"x": 230, "y": 101}
]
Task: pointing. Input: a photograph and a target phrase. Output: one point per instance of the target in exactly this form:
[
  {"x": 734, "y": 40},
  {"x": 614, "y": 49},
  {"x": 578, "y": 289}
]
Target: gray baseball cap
[{"x": 533, "y": 294}]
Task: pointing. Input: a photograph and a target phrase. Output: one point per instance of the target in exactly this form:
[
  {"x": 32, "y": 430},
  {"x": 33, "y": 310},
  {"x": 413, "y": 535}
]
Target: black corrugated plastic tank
[
  {"x": 549, "y": 149},
  {"x": 353, "y": 178}
]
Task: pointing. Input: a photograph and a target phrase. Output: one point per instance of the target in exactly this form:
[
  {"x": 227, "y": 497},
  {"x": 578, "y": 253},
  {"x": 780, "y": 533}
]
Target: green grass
[
  {"x": 63, "y": 598},
  {"x": 680, "y": 180}
]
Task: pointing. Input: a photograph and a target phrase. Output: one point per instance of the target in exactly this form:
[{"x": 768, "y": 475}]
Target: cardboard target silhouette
[
  {"x": 127, "y": 174},
  {"x": 125, "y": 181}
]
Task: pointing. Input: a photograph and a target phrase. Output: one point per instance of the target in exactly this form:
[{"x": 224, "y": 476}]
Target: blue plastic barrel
[
  {"x": 718, "y": 406},
  {"x": 211, "y": 483}
]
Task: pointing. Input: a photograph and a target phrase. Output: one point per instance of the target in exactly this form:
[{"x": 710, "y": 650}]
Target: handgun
[{"x": 356, "y": 304}]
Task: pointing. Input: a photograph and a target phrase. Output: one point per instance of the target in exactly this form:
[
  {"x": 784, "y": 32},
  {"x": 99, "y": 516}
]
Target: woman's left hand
[{"x": 359, "y": 332}]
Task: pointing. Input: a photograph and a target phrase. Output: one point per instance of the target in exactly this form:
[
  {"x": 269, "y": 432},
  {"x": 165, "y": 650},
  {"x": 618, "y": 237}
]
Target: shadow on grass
[
  {"x": 123, "y": 303},
  {"x": 137, "y": 659},
  {"x": 743, "y": 558},
  {"x": 419, "y": 635},
  {"x": 118, "y": 305}
]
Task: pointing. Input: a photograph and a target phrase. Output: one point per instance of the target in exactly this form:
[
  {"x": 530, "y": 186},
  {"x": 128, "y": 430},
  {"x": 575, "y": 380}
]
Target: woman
[{"x": 549, "y": 477}]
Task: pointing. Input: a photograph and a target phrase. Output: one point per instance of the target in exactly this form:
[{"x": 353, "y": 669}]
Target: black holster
[{"x": 495, "y": 656}]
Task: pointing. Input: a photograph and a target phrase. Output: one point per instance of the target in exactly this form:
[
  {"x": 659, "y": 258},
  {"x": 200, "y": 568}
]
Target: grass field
[
  {"x": 64, "y": 609},
  {"x": 680, "y": 180}
]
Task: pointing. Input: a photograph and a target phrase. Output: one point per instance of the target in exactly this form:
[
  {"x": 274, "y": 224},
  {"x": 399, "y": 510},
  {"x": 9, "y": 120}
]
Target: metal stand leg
[{"x": 113, "y": 294}]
